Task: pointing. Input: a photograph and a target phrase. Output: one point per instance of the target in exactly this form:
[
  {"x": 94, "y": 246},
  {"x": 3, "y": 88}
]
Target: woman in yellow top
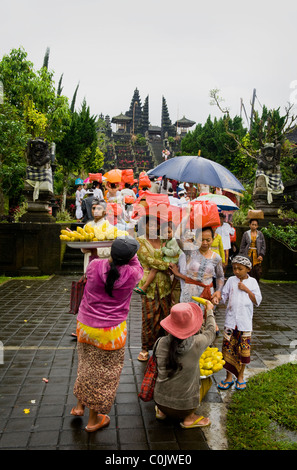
[
  {"x": 254, "y": 247},
  {"x": 157, "y": 299},
  {"x": 217, "y": 246}
]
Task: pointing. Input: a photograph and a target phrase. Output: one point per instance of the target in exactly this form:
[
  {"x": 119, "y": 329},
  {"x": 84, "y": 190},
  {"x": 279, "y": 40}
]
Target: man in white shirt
[
  {"x": 99, "y": 216},
  {"x": 127, "y": 191}
]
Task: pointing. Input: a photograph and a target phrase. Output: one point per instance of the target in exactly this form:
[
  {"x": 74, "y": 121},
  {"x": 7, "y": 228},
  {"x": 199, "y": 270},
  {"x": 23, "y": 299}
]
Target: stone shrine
[
  {"x": 38, "y": 187},
  {"x": 268, "y": 189}
]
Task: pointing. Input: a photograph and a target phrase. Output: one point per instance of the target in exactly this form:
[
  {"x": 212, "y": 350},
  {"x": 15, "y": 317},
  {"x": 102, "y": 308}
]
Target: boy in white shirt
[{"x": 242, "y": 292}]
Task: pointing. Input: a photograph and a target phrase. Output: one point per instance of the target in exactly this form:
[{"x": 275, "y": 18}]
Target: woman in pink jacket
[{"x": 102, "y": 330}]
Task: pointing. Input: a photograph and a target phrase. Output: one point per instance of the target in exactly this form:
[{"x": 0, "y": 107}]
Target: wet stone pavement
[{"x": 36, "y": 334}]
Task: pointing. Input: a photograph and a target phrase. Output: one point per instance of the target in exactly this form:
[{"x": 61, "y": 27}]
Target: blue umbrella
[
  {"x": 195, "y": 169},
  {"x": 79, "y": 181}
]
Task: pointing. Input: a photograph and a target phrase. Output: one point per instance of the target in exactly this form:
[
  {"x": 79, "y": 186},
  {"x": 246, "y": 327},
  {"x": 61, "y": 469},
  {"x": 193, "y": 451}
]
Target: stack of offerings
[
  {"x": 211, "y": 361},
  {"x": 105, "y": 231}
]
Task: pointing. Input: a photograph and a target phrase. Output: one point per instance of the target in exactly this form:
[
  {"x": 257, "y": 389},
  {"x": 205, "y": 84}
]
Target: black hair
[
  {"x": 113, "y": 275},
  {"x": 172, "y": 363},
  {"x": 98, "y": 202},
  {"x": 210, "y": 229},
  {"x": 253, "y": 220},
  {"x": 149, "y": 218},
  {"x": 204, "y": 230},
  {"x": 168, "y": 224}
]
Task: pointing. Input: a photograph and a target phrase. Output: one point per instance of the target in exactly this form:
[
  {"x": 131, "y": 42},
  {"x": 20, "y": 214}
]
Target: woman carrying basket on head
[{"x": 101, "y": 330}]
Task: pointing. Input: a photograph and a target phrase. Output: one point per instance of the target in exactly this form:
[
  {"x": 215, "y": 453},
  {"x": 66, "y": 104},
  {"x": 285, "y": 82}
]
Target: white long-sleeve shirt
[
  {"x": 239, "y": 311},
  {"x": 225, "y": 231}
]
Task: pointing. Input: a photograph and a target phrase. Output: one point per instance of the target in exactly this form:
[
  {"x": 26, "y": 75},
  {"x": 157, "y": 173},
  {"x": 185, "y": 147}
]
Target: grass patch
[
  {"x": 264, "y": 415},
  {"x": 269, "y": 281},
  {"x": 22, "y": 278}
]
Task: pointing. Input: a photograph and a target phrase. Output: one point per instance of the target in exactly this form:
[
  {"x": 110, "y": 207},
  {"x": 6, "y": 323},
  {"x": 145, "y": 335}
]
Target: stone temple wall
[{"x": 36, "y": 249}]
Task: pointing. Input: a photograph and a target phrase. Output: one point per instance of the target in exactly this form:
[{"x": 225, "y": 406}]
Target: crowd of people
[{"x": 167, "y": 265}]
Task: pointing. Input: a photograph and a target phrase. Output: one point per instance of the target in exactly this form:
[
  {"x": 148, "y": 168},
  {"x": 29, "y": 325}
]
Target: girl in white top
[
  {"x": 241, "y": 292},
  {"x": 78, "y": 199}
]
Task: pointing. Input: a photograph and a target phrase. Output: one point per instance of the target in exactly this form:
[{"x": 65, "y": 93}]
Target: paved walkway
[{"x": 35, "y": 330}]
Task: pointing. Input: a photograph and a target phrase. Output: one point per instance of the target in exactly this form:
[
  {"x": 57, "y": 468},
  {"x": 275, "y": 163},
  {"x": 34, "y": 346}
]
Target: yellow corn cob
[
  {"x": 75, "y": 234},
  {"x": 65, "y": 232},
  {"x": 89, "y": 229},
  {"x": 65, "y": 238},
  {"x": 104, "y": 226},
  {"x": 200, "y": 300},
  {"x": 80, "y": 230}
]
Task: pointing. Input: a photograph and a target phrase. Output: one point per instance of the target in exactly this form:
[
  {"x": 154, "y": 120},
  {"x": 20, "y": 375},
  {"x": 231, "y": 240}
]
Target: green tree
[
  {"x": 214, "y": 141},
  {"x": 77, "y": 151},
  {"x": 269, "y": 126},
  {"x": 31, "y": 109},
  {"x": 33, "y": 93},
  {"x": 13, "y": 141}
]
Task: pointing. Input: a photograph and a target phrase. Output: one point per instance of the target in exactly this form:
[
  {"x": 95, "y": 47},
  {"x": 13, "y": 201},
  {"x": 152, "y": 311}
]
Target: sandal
[
  {"x": 240, "y": 383},
  {"x": 227, "y": 385},
  {"x": 103, "y": 423},
  {"x": 143, "y": 356},
  {"x": 158, "y": 414},
  {"x": 138, "y": 290},
  {"x": 196, "y": 424}
]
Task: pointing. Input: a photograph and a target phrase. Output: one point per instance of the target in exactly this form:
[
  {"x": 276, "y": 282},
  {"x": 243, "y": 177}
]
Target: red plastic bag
[
  {"x": 95, "y": 177},
  {"x": 152, "y": 199},
  {"x": 204, "y": 214},
  {"x": 233, "y": 237},
  {"x": 128, "y": 176},
  {"x": 144, "y": 181},
  {"x": 129, "y": 200}
]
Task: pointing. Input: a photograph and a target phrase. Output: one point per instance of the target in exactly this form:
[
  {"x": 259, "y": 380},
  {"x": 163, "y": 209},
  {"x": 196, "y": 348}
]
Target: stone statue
[
  {"x": 38, "y": 152},
  {"x": 38, "y": 186},
  {"x": 268, "y": 173}
]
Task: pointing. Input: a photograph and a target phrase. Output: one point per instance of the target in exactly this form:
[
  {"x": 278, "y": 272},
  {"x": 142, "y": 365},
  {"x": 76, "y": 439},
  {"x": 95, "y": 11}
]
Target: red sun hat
[{"x": 185, "y": 320}]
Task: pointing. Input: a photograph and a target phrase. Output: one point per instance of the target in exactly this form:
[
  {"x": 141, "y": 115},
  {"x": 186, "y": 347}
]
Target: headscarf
[{"x": 242, "y": 260}]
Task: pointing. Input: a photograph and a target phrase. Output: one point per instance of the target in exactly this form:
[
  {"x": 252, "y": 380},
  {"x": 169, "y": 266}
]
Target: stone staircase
[
  {"x": 156, "y": 151},
  {"x": 73, "y": 260}
]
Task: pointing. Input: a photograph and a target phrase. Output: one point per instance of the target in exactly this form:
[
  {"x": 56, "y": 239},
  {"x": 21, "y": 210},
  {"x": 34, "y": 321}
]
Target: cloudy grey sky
[{"x": 179, "y": 49}]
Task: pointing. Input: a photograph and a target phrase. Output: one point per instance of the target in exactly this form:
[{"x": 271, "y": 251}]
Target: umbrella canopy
[
  {"x": 223, "y": 202},
  {"x": 196, "y": 169},
  {"x": 114, "y": 176},
  {"x": 79, "y": 181}
]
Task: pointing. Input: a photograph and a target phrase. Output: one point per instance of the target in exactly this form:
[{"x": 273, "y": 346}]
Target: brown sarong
[
  {"x": 236, "y": 349},
  {"x": 98, "y": 376},
  {"x": 153, "y": 311}
]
